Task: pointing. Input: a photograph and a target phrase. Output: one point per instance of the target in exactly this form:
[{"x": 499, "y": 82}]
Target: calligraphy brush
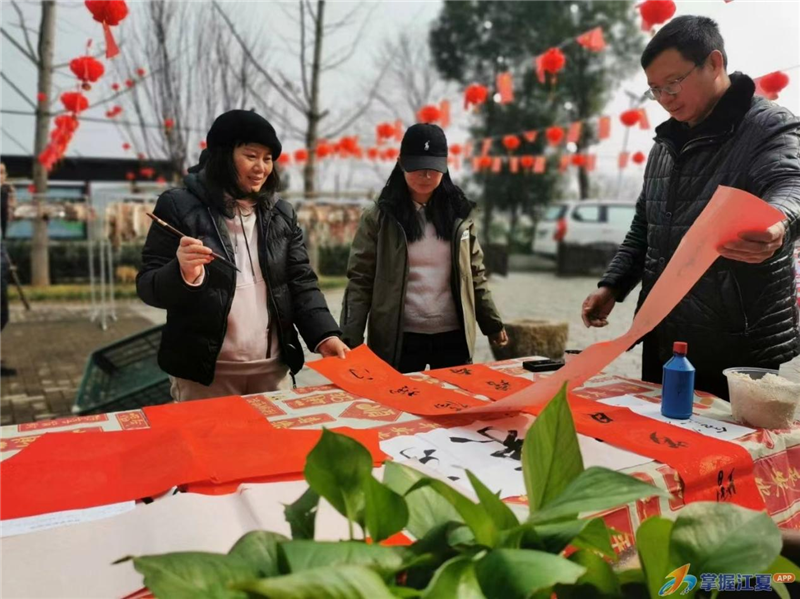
[{"x": 178, "y": 234}]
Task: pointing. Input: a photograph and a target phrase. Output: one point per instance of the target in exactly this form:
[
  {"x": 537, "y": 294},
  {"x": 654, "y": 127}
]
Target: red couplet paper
[
  {"x": 729, "y": 213},
  {"x": 711, "y": 469},
  {"x": 233, "y": 408},
  {"x": 65, "y": 471},
  {"x": 364, "y": 374}
]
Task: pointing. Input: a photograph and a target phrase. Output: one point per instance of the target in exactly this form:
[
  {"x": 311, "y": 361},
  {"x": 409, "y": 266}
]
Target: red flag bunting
[
  {"x": 505, "y": 87},
  {"x": 604, "y": 127}
]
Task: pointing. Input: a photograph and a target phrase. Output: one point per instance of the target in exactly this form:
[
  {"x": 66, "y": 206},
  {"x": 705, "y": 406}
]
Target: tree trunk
[
  {"x": 40, "y": 263},
  {"x": 313, "y": 109}
]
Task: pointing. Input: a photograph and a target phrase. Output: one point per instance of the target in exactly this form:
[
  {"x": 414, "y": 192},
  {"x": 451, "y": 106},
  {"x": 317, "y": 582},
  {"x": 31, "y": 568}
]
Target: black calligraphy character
[
  {"x": 725, "y": 492},
  {"x": 512, "y": 444},
  {"x": 503, "y": 385},
  {"x": 462, "y": 370},
  {"x": 667, "y": 441},
  {"x": 366, "y": 375},
  {"x": 450, "y": 405},
  {"x": 428, "y": 455},
  {"x": 601, "y": 418},
  {"x": 404, "y": 390}
]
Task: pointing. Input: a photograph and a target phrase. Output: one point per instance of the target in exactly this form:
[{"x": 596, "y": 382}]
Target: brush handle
[{"x": 177, "y": 233}]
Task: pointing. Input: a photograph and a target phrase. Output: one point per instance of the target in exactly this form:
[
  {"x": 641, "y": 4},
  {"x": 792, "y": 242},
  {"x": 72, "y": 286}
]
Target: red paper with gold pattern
[
  {"x": 699, "y": 459},
  {"x": 364, "y": 374}
]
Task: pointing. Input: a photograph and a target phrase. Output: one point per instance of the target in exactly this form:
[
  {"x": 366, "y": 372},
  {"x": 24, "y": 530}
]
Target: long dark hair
[
  {"x": 447, "y": 204},
  {"x": 221, "y": 176}
]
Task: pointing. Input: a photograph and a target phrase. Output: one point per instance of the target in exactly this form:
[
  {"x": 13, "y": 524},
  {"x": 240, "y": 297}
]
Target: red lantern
[
  {"x": 109, "y": 13},
  {"x": 630, "y": 117},
  {"x": 87, "y": 69},
  {"x": 126, "y": 146},
  {"x": 553, "y": 61},
  {"x": 391, "y": 154},
  {"x": 324, "y": 148},
  {"x": 141, "y": 72},
  {"x": 455, "y": 149},
  {"x": 348, "y": 146},
  {"x": 141, "y": 156},
  {"x": 40, "y": 97},
  {"x": 511, "y": 142},
  {"x": 161, "y": 179},
  {"x": 130, "y": 175},
  {"x": 284, "y": 159},
  {"x": 526, "y": 161},
  {"x": 301, "y": 155},
  {"x": 74, "y": 101},
  {"x": 774, "y": 82},
  {"x": 373, "y": 153},
  {"x": 485, "y": 162},
  {"x": 429, "y": 114},
  {"x": 578, "y": 160},
  {"x": 554, "y": 135},
  {"x": 475, "y": 95},
  {"x": 639, "y": 158},
  {"x": 66, "y": 122},
  {"x": 147, "y": 172},
  {"x": 655, "y": 12},
  {"x": 115, "y": 87},
  {"x": 384, "y": 131},
  {"x": 203, "y": 145},
  {"x": 129, "y": 83},
  {"x": 169, "y": 124}
]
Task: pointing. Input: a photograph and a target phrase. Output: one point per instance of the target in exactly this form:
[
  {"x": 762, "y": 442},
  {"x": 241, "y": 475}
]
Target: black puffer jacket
[
  {"x": 737, "y": 312},
  {"x": 197, "y": 317}
]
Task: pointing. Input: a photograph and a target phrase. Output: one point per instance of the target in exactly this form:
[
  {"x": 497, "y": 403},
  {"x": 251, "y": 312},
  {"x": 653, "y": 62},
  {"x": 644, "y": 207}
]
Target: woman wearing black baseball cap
[
  {"x": 416, "y": 267},
  {"x": 232, "y": 324}
]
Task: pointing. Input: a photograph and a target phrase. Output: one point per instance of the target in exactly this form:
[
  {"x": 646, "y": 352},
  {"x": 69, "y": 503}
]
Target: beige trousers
[{"x": 230, "y": 384}]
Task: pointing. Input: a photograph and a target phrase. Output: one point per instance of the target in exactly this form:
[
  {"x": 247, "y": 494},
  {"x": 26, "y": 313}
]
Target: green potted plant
[{"x": 470, "y": 549}]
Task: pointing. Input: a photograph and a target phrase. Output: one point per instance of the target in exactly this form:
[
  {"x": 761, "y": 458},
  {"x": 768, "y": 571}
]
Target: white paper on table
[
  {"x": 78, "y": 558},
  {"x": 710, "y": 427},
  {"x": 19, "y": 526},
  {"x": 492, "y": 451}
]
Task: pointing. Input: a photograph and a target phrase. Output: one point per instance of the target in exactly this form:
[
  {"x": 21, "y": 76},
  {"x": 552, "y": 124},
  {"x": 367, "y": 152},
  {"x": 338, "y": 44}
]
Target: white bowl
[{"x": 769, "y": 403}]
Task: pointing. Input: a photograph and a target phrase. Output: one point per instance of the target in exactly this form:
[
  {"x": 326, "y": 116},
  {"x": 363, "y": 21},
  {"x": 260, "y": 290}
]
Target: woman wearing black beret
[{"x": 233, "y": 330}]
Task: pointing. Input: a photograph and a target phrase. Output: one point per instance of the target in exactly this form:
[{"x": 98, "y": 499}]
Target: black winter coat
[
  {"x": 737, "y": 313},
  {"x": 197, "y": 317}
]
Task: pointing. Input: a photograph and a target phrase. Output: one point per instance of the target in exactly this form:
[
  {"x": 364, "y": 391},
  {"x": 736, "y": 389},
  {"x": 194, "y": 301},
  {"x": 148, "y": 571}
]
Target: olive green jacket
[{"x": 377, "y": 273}]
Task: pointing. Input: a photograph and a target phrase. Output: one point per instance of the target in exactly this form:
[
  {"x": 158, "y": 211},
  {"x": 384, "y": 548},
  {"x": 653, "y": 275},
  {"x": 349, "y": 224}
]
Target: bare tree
[
  {"x": 304, "y": 100},
  {"x": 193, "y": 73},
  {"x": 42, "y": 58}
]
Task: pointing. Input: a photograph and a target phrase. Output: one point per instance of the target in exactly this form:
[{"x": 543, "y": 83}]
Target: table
[{"x": 776, "y": 454}]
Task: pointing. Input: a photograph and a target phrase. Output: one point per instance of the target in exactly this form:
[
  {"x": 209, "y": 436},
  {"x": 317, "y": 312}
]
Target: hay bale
[{"x": 529, "y": 337}]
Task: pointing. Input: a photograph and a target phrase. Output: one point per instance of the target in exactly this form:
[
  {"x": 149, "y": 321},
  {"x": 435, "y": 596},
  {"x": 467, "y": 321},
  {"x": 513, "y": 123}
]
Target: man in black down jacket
[{"x": 743, "y": 311}]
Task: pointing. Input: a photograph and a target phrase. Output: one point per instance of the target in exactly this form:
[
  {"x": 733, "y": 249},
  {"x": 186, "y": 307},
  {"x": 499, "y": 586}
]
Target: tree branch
[
  {"x": 19, "y": 47},
  {"x": 24, "y": 29},
  {"x": 278, "y": 88},
  {"x": 303, "y": 52},
  {"x": 22, "y": 95}
]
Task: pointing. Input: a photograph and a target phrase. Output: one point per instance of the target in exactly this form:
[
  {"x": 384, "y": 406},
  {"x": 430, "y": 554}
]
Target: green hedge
[
  {"x": 333, "y": 260},
  {"x": 69, "y": 260}
]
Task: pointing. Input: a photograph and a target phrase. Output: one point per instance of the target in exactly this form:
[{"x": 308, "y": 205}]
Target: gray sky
[{"x": 761, "y": 36}]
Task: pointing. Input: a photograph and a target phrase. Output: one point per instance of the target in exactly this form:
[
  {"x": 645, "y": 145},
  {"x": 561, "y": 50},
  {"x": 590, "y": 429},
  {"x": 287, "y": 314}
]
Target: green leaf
[
  {"x": 427, "y": 509},
  {"x": 516, "y": 573},
  {"x": 583, "y": 534},
  {"x": 259, "y": 549},
  {"x": 551, "y": 457},
  {"x": 190, "y": 575},
  {"x": 596, "y": 489},
  {"x": 332, "y": 582},
  {"x": 782, "y": 565},
  {"x": 598, "y": 576},
  {"x": 632, "y": 576},
  {"x": 723, "y": 537},
  {"x": 302, "y": 555},
  {"x": 652, "y": 543},
  {"x": 336, "y": 469},
  {"x": 499, "y": 512},
  {"x": 473, "y": 514},
  {"x": 386, "y": 512},
  {"x": 455, "y": 578},
  {"x": 302, "y": 515}
]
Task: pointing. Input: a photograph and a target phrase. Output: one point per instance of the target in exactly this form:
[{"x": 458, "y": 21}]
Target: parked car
[{"x": 582, "y": 235}]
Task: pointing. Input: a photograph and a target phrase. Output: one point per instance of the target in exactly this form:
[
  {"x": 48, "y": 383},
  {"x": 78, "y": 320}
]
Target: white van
[{"x": 573, "y": 230}]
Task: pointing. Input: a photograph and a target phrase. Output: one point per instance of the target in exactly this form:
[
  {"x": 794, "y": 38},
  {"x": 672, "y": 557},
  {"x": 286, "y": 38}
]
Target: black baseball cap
[{"x": 424, "y": 147}]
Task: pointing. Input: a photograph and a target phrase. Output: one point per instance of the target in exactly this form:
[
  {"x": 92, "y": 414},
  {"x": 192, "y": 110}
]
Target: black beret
[{"x": 243, "y": 126}]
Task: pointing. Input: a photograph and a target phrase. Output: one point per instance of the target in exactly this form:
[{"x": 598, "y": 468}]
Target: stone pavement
[{"x": 50, "y": 345}]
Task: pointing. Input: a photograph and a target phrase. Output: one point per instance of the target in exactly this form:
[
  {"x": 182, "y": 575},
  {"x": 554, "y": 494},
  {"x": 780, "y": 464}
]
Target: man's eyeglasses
[{"x": 673, "y": 88}]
